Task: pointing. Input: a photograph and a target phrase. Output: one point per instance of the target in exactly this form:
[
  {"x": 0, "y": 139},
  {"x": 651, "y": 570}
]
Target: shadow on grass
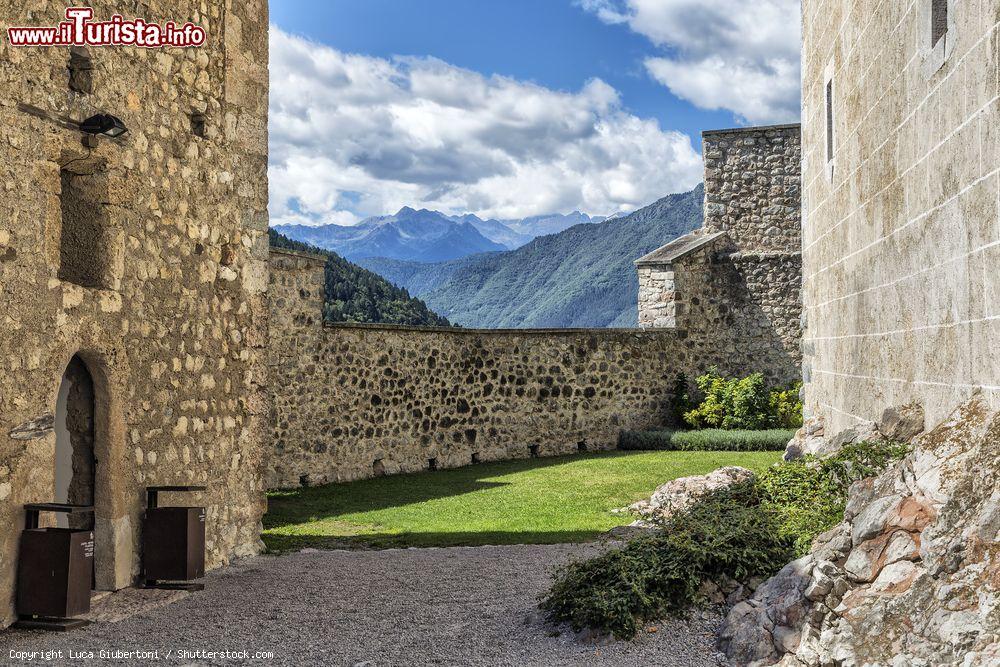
[
  {"x": 288, "y": 506},
  {"x": 283, "y": 543},
  {"x": 293, "y": 507}
]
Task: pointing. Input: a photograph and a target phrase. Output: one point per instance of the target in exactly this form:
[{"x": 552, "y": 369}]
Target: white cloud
[
  {"x": 720, "y": 54},
  {"x": 353, "y": 136}
]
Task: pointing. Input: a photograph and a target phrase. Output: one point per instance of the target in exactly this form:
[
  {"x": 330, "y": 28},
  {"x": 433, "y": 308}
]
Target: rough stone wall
[
  {"x": 354, "y": 401},
  {"x": 658, "y": 296},
  {"x": 174, "y": 327},
  {"x": 900, "y": 228},
  {"x": 753, "y": 186},
  {"x": 734, "y": 286},
  {"x": 743, "y": 310}
]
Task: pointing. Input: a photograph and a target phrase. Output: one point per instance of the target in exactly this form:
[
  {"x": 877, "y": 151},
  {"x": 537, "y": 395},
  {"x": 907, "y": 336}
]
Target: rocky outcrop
[
  {"x": 912, "y": 575},
  {"x": 899, "y": 424},
  {"x": 681, "y": 493}
]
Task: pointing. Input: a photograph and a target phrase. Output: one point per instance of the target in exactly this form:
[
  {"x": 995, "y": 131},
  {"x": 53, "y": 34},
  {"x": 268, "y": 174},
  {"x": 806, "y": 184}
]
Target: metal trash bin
[
  {"x": 55, "y": 570},
  {"x": 173, "y": 542}
]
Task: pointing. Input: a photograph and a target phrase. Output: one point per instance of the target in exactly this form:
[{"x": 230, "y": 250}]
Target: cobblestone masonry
[
  {"x": 353, "y": 401},
  {"x": 166, "y": 307},
  {"x": 735, "y": 284},
  {"x": 901, "y": 240}
]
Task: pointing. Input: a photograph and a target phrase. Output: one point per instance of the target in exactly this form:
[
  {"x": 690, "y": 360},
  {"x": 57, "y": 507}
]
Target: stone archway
[
  {"x": 88, "y": 453},
  {"x": 75, "y": 458}
]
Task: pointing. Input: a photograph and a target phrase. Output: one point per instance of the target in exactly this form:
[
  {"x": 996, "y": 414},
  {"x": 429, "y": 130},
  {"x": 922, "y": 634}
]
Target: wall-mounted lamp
[{"x": 104, "y": 123}]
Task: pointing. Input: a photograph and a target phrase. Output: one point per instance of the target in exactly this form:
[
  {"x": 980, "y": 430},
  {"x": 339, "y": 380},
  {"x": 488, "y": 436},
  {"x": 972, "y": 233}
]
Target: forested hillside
[{"x": 355, "y": 294}]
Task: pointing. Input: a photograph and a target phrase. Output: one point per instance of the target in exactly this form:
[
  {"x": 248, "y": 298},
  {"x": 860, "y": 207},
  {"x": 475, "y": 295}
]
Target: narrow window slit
[{"x": 939, "y": 21}]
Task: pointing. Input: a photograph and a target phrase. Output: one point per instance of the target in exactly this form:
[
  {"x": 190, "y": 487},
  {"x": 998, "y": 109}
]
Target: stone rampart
[{"x": 355, "y": 401}]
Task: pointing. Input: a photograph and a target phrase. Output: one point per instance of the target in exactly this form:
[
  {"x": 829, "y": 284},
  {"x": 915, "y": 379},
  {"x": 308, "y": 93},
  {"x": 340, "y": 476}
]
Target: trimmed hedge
[{"x": 707, "y": 440}]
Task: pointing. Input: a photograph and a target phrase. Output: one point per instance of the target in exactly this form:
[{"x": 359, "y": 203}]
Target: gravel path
[{"x": 455, "y": 606}]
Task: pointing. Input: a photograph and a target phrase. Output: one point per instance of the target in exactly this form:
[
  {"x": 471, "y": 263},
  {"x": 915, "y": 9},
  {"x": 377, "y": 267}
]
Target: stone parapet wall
[{"x": 371, "y": 400}]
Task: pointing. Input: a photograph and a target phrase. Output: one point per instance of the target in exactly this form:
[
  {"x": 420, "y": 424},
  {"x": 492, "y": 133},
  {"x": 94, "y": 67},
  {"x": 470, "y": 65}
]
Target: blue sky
[
  {"x": 509, "y": 108},
  {"x": 551, "y": 42}
]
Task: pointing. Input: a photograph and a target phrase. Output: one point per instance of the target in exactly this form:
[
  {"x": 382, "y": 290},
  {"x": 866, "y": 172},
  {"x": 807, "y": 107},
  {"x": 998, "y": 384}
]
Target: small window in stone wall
[
  {"x": 939, "y": 20},
  {"x": 80, "y": 67},
  {"x": 198, "y": 124},
  {"x": 829, "y": 120},
  {"x": 84, "y": 249}
]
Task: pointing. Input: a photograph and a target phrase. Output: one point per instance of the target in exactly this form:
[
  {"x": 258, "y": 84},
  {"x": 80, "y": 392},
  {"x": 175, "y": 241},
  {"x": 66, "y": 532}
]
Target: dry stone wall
[
  {"x": 168, "y": 312},
  {"x": 753, "y": 186},
  {"x": 734, "y": 286},
  {"x": 355, "y": 401}
]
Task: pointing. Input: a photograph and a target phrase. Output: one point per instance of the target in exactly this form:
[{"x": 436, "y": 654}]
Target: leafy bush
[
  {"x": 809, "y": 497},
  {"x": 746, "y": 403},
  {"x": 707, "y": 440},
  {"x": 731, "y": 403},
  {"x": 750, "y": 529},
  {"x": 786, "y": 407}
]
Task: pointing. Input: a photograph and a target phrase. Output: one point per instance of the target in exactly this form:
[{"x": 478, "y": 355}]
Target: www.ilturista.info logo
[{"x": 79, "y": 30}]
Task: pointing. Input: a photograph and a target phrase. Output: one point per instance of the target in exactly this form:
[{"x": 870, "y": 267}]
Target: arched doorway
[{"x": 75, "y": 460}]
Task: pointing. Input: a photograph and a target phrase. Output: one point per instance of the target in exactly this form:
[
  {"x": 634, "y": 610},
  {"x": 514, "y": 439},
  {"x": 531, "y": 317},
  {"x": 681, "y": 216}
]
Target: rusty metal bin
[
  {"x": 173, "y": 542},
  {"x": 55, "y": 571}
]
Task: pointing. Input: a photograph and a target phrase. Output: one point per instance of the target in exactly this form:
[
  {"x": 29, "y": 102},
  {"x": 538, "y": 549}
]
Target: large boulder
[
  {"x": 912, "y": 576},
  {"x": 681, "y": 493}
]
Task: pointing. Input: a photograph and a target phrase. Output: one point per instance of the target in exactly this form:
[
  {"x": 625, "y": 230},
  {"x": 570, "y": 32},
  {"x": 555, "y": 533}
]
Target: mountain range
[
  {"x": 430, "y": 236},
  {"x": 582, "y": 276}
]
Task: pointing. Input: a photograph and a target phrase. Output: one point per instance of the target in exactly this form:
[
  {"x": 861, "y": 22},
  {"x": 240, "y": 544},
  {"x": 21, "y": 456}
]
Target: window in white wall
[
  {"x": 829, "y": 121},
  {"x": 937, "y": 33},
  {"x": 939, "y": 21}
]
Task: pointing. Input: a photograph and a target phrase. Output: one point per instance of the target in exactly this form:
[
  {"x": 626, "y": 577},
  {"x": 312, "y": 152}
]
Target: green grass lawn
[{"x": 533, "y": 501}]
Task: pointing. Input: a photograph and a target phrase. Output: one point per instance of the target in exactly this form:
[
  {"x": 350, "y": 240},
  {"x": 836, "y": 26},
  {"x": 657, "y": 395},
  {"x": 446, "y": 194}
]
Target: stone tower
[{"x": 733, "y": 286}]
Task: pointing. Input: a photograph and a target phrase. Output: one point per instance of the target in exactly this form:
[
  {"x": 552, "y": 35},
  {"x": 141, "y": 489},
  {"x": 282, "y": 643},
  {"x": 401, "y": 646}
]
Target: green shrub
[
  {"x": 707, "y": 440},
  {"x": 809, "y": 497},
  {"x": 786, "y": 407},
  {"x": 651, "y": 576},
  {"x": 750, "y": 529},
  {"x": 745, "y": 403},
  {"x": 731, "y": 403}
]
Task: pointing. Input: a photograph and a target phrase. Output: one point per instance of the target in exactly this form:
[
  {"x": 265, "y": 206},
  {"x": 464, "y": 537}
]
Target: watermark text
[{"x": 80, "y": 30}]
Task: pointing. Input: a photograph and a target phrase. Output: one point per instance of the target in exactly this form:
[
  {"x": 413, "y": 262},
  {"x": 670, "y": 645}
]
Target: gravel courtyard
[{"x": 435, "y": 606}]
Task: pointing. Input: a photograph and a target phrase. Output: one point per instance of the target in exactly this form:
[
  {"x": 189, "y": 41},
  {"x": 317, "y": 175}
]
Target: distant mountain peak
[{"x": 564, "y": 279}]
